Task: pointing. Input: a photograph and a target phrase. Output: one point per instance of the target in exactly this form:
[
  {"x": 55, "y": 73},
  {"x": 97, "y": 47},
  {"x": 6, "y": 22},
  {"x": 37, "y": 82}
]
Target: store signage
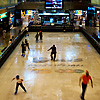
[
  {"x": 78, "y": 12},
  {"x": 3, "y": 15},
  {"x": 30, "y": 12},
  {"x": 53, "y": 13},
  {"x": 91, "y": 8}
]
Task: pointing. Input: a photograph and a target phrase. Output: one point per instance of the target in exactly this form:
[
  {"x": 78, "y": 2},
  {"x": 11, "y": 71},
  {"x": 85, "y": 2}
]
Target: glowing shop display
[
  {"x": 30, "y": 12},
  {"x": 3, "y": 15},
  {"x": 78, "y": 12},
  {"x": 53, "y": 13},
  {"x": 91, "y": 8}
]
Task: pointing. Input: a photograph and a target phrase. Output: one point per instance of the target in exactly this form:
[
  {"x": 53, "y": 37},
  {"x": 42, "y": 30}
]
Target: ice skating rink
[{"x": 52, "y": 80}]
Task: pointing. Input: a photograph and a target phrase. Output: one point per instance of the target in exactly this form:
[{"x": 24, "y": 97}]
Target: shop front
[
  {"x": 30, "y": 17},
  {"x": 54, "y": 18},
  {"x": 4, "y": 24},
  {"x": 17, "y": 19},
  {"x": 11, "y": 19},
  {"x": 78, "y": 17}
]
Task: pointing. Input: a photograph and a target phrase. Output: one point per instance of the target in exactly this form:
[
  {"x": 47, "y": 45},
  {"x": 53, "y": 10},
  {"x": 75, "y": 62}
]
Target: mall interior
[{"x": 72, "y": 26}]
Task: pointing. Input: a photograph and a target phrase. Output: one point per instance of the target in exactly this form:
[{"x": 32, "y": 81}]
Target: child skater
[{"x": 19, "y": 82}]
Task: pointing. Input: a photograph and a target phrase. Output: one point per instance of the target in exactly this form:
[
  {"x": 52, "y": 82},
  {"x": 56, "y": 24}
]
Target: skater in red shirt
[{"x": 85, "y": 80}]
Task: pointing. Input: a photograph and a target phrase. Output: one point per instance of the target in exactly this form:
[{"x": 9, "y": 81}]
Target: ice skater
[
  {"x": 36, "y": 36},
  {"x": 19, "y": 82},
  {"x": 27, "y": 44},
  {"x": 85, "y": 80},
  {"x": 53, "y": 52},
  {"x": 40, "y": 35},
  {"x": 23, "y": 45}
]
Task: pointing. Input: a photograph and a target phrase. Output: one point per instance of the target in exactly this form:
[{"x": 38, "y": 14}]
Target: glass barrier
[{"x": 6, "y": 49}]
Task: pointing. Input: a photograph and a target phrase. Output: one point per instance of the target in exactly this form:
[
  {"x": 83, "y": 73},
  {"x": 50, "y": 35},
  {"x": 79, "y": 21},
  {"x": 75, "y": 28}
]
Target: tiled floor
[{"x": 52, "y": 80}]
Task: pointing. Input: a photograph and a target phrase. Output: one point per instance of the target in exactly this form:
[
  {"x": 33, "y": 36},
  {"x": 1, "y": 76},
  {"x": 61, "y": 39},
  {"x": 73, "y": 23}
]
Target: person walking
[
  {"x": 19, "y": 82},
  {"x": 85, "y": 80},
  {"x": 27, "y": 44},
  {"x": 53, "y": 48}
]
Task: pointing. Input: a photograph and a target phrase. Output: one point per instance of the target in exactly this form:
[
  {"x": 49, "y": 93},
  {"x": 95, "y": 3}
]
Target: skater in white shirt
[{"x": 19, "y": 82}]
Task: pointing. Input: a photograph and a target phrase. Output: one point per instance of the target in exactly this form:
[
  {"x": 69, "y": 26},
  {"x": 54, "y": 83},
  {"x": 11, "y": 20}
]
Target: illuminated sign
[
  {"x": 91, "y": 8},
  {"x": 30, "y": 12},
  {"x": 53, "y": 4},
  {"x": 3, "y": 15},
  {"x": 53, "y": 13},
  {"x": 78, "y": 12}
]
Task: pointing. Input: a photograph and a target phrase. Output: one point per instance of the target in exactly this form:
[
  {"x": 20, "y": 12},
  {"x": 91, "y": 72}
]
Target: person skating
[
  {"x": 40, "y": 35},
  {"x": 27, "y": 44},
  {"x": 23, "y": 45},
  {"x": 53, "y": 48},
  {"x": 36, "y": 36},
  {"x": 19, "y": 82},
  {"x": 85, "y": 80}
]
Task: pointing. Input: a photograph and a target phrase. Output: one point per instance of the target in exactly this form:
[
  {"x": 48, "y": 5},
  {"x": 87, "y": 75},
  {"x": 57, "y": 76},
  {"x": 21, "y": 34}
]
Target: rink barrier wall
[
  {"x": 35, "y": 28},
  {"x": 91, "y": 39},
  {"x": 6, "y": 53}
]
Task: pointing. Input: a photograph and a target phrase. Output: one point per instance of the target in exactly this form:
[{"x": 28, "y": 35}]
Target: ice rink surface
[{"x": 51, "y": 80}]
